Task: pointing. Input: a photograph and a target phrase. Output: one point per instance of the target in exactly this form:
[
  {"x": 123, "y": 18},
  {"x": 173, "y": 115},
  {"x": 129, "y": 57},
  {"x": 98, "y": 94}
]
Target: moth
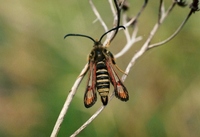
[{"x": 101, "y": 64}]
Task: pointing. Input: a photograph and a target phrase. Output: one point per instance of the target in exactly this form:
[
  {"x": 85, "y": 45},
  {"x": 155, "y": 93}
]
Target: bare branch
[
  {"x": 126, "y": 31},
  {"x": 112, "y": 7},
  {"x": 144, "y": 48},
  {"x": 132, "y": 40},
  {"x": 173, "y": 35},
  {"x": 116, "y": 19},
  {"x": 134, "y": 19},
  {"x": 161, "y": 10},
  {"x": 88, "y": 121},
  {"x": 98, "y": 16},
  {"x": 116, "y": 22},
  {"x": 67, "y": 102}
]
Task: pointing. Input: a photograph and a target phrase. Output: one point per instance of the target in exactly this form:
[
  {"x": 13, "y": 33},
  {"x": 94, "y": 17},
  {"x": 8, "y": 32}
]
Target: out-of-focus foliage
[{"x": 38, "y": 68}]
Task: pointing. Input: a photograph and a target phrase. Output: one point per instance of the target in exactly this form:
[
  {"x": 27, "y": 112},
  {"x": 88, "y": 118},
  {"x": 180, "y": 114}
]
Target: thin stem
[
  {"x": 116, "y": 16},
  {"x": 144, "y": 48},
  {"x": 129, "y": 43},
  {"x": 133, "y": 39},
  {"x": 67, "y": 102},
  {"x": 117, "y": 21},
  {"x": 168, "y": 11},
  {"x": 126, "y": 32},
  {"x": 173, "y": 35},
  {"x": 88, "y": 121},
  {"x": 138, "y": 14},
  {"x": 112, "y": 7},
  {"x": 161, "y": 10},
  {"x": 98, "y": 16}
]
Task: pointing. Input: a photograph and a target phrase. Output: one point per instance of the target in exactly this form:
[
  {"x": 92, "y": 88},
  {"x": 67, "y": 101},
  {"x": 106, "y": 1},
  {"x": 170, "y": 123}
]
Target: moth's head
[{"x": 97, "y": 44}]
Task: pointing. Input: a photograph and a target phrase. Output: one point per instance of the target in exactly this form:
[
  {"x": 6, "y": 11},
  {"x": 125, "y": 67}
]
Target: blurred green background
[{"x": 38, "y": 68}]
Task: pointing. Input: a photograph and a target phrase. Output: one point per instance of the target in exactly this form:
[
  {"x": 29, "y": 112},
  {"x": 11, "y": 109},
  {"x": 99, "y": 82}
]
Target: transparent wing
[
  {"x": 90, "y": 96},
  {"x": 120, "y": 90}
]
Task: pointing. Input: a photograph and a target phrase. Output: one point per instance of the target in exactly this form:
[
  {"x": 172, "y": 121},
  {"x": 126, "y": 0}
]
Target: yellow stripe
[
  {"x": 103, "y": 90},
  {"x": 102, "y": 80},
  {"x": 100, "y": 62},
  {"x": 102, "y": 75},
  {"x": 101, "y": 70}
]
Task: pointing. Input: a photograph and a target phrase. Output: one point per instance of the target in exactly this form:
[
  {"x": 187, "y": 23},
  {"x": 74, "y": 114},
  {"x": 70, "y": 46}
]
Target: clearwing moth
[{"x": 101, "y": 65}]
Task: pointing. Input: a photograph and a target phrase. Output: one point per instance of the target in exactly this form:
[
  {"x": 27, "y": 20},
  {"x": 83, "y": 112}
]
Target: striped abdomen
[{"x": 102, "y": 81}]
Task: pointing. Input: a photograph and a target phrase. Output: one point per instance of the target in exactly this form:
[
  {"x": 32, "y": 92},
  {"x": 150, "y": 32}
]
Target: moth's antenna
[
  {"x": 118, "y": 18},
  {"x": 80, "y": 35},
  {"x": 116, "y": 28}
]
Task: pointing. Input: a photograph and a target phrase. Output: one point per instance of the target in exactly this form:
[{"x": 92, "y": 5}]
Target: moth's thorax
[{"x": 98, "y": 53}]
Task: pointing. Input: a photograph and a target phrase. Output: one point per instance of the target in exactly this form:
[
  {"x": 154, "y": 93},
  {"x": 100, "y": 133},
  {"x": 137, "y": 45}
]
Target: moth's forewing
[
  {"x": 90, "y": 96},
  {"x": 119, "y": 88}
]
